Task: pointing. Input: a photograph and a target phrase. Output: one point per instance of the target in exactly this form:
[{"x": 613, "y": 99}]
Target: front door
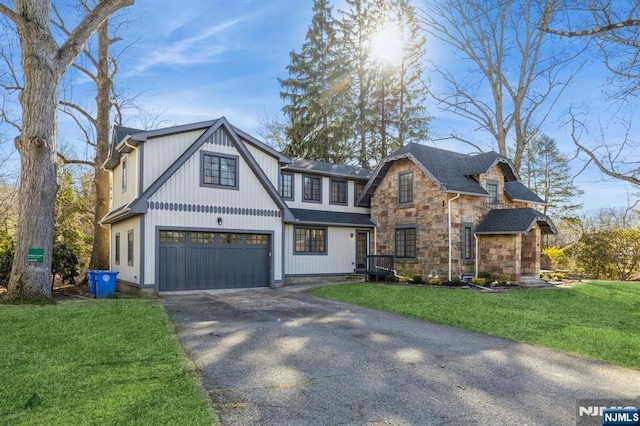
[{"x": 362, "y": 249}]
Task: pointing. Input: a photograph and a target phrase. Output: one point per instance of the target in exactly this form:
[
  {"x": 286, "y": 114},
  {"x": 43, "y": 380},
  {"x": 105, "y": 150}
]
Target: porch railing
[{"x": 377, "y": 266}]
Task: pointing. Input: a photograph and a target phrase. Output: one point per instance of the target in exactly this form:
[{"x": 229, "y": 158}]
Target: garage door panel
[
  {"x": 207, "y": 260},
  {"x": 201, "y": 259},
  {"x": 173, "y": 267}
]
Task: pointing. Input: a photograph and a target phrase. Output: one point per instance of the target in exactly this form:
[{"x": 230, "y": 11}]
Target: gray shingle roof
[
  {"x": 304, "y": 216},
  {"x": 515, "y": 221},
  {"x": 453, "y": 172},
  {"x": 322, "y": 167},
  {"x": 121, "y": 132},
  {"x": 517, "y": 191}
]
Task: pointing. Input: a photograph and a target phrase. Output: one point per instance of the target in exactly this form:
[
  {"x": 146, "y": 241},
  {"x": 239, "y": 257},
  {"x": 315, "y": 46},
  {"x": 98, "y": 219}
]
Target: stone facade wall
[
  {"x": 501, "y": 255},
  {"x": 531, "y": 246},
  {"x": 428, "y": 213}
]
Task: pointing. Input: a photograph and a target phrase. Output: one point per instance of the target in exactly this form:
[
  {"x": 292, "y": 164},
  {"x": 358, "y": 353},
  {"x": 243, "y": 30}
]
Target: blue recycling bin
[
  {"x": 105, "y": 283},
  {"x": 91, "y": 277}
]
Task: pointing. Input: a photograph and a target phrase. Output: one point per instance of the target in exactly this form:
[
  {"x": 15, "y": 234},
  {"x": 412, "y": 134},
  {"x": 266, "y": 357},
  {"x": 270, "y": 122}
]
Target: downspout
[{"x": 450, "y": 230}]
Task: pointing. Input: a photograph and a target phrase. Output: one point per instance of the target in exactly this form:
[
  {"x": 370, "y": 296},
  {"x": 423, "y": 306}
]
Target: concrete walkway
[{"x": 280, "y": 357}]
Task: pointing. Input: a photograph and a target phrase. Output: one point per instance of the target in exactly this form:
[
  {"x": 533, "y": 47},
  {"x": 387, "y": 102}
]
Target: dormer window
[{"x": 492, "y": 189}]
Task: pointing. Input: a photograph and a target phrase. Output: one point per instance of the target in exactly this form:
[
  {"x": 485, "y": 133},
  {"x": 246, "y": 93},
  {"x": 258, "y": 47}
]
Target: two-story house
[
  {"x": 446, "y": 214},
  {"x": 205, "y": 206}
]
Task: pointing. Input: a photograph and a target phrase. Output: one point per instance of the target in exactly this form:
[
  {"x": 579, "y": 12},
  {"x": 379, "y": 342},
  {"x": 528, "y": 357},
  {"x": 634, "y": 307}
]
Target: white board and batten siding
[
  {"x": 181, "y": 203},
  {"x": 338, "y": 259},
  {"x": 267, "y": 163},
  {"x": 161, "y": 152},
  {"x": 297, "y": 202},
  {"x": 126, "y": 272},
  {"x": 130, "y": 192}
]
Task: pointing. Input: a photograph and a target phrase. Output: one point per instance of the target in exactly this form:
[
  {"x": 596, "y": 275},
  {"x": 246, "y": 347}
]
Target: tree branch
[
  {"x": 66, "y": 160},
  {"x": 9, "y": 13},
  {"x": 596, "y": 158},
  {"x": 593, "y": 31},
  {"x": 79, "y": 109},
  {"x": 79, "y": 36}
]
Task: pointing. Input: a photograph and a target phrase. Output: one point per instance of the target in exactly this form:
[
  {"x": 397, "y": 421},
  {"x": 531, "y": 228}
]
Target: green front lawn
[
  {"x": 96, "y": 362},
  {"x": 600, "y": 319}
]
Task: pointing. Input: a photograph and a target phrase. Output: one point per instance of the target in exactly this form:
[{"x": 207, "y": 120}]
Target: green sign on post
[{"x": 35, "y": 255}]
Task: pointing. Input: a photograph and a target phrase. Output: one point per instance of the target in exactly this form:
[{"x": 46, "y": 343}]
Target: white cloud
[{"x": 203, "y": 47}]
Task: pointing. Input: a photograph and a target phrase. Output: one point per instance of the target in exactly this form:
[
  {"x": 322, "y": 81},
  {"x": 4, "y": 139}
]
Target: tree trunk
[
  {"x": 36, "y": 144},
  {"x": 43, "y": 63},
  {"x": 101, "y": 235}
]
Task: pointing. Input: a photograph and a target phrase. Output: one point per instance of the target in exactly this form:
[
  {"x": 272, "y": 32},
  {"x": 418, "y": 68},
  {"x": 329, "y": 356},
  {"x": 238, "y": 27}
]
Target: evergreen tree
[
  {"x": 399, "y": 95},
  {"x": 413, "y": 121},
  {"x": 357, "y": 28},
  {"x": 313, "y": 91},
  {"x": 546, "y": 171},
  {"x": 344, "y": 101}
]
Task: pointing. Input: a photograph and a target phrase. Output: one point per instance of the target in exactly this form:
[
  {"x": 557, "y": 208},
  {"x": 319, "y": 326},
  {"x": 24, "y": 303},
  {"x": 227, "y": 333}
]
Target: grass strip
[
  {"x": 96, "y": 362},
  {"x": 598, "y": 319}
]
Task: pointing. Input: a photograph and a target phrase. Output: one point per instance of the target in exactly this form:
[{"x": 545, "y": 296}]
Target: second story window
[
  {"x": 312, "y": 190},
  {"x": 405, "y": 188},
  {"x": 338, "y": 192},
  {"x": 124, "y": 175},
  {"x": 286, "y": 185},
  {"x": 492, "y": 189},
  {"x": 219, "y": 171},
  {"x": 359, "y": 188}
]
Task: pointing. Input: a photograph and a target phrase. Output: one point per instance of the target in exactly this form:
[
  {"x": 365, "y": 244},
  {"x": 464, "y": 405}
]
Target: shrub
[
  {"x": 479, "y": 281},
  {"x": 6, "y": 261},
  {"x": 484, "y": 274},
  {"x": 64, "y": 263},
  {"x": 435, "y": 281},
  {"x": 403, "y": 280},
  {"x": 557, "y": 276},
  {"x": 611, "y": 254},
  {"x": 417, "y": 279},
  {"x": 559, "y": 259},
  {"x": 456, "y": 281}
]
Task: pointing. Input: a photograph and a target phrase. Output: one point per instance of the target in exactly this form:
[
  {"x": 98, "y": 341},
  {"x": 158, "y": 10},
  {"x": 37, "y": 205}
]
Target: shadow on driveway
[{"x": 277, "y": 357}]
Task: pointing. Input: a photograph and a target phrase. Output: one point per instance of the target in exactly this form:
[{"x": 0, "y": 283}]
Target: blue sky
[{"x": 201, "y": 59}]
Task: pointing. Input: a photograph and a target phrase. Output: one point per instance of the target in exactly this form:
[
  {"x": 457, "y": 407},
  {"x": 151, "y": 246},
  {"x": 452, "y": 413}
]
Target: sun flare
[{"x": 387, "y": 46}]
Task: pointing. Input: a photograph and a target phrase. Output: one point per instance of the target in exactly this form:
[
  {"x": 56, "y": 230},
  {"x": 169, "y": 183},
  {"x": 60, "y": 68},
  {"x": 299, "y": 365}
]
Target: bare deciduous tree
[
  {"x": 43, "y": 62},
  {"x": 615, "y": 28},
  {"x": 510, "y": 73}
]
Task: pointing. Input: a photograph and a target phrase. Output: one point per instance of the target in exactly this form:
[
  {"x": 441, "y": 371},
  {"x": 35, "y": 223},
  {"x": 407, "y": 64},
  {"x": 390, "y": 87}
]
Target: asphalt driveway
[{"x": 281, "y": 357}]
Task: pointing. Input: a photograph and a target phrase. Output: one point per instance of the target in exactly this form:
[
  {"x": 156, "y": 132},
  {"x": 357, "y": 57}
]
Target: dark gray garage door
[{"x": 190, "y": 260}]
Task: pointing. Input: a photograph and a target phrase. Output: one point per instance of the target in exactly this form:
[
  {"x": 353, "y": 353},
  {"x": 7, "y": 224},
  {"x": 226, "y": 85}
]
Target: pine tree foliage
[
  {"x": 315, "y": 83},
  {"x": 344, "y": 103},
  {"x": 546, "y": 171}
]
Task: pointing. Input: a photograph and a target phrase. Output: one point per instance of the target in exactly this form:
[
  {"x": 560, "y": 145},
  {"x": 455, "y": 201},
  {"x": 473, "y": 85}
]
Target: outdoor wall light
[{"x": 219, "y": 221}]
